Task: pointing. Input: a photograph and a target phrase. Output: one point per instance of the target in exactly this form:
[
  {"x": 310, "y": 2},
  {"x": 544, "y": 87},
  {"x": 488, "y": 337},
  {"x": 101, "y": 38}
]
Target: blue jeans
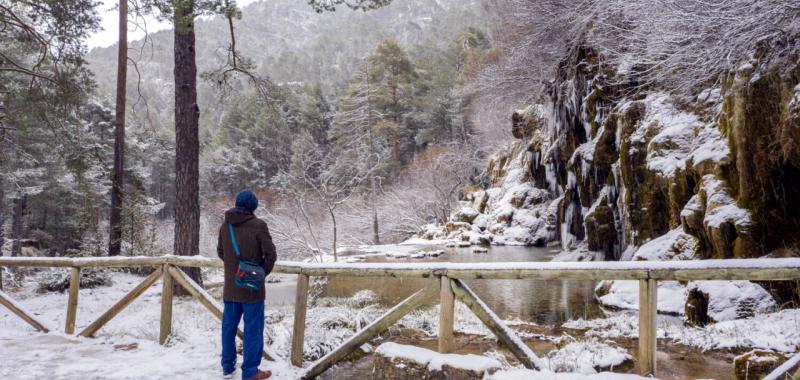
[{"x": 253, "y": 336}]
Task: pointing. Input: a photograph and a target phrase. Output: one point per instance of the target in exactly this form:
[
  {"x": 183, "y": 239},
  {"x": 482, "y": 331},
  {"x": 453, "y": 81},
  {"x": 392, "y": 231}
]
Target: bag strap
[{"x": 233, "y": 239}]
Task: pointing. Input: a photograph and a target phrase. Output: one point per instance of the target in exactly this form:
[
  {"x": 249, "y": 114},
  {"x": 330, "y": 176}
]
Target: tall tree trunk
[
  {"x": 118, "y": 180},
  {"x": 333, "y": 247},
  {"x": 187, "y": 144},
  {"x": 376, "y": 239},
  {"x": 2, "y": 224},
  {"x": 17, "y": 222}
]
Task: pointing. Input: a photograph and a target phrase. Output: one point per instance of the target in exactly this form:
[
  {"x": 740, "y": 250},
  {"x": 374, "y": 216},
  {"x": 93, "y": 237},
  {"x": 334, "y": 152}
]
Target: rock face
[{"x": 596, "y": 165}]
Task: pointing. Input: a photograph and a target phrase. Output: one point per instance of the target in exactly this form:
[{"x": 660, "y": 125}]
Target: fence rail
[{"x": 446, "y": 280}]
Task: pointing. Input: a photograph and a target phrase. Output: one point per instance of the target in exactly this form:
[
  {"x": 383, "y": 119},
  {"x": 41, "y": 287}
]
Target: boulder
[
  {"x": 727, "y": 227},
  {"x": 603, "y": 288},
  {"x": 496, "y": 167},
  {"x": 601, "y": 234},
  {"x": 479, "y": 200},
  {"x": 456, "y": 227},
  {"x": 465, "y": 214},
  {"x": 696, "y": 308}
]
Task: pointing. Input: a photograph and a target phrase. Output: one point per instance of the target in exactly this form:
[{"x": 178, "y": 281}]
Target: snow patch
[
  {"x": 728, "y": 300},
  {"x": 778, "y": 331},
  {"x": 434, "y": 360},
  {"x": 677, "y": 137},
  {"x": 586, "y": 356},
  {"x": 674, "y": 245},
  {"x": 527, "y": 374}
]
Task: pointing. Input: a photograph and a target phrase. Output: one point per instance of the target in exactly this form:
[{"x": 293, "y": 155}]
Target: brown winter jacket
[{"x": 255, "y": 245}]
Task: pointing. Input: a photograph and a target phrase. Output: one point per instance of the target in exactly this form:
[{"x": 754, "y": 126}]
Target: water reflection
[{"x": 543, "y": 302}]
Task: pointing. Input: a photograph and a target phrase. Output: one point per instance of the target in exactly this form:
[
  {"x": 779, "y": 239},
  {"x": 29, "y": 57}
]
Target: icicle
[{"x": 571, "y": 182}]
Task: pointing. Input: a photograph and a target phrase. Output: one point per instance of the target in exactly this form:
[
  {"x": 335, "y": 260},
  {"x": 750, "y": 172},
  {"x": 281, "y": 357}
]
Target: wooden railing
[{"x": 446, "y": 280}]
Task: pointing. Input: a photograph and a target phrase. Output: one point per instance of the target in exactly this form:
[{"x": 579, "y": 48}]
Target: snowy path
[{"x": 126, "y": 348}]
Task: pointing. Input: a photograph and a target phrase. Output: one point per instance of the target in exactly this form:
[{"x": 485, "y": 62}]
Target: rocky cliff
[{"x": 608, "y": 164}]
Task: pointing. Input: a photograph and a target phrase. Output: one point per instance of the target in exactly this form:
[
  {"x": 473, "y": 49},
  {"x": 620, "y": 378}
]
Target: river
[
  {"x": 542, "y": 302},
  {"x": 546, "y": 303}
]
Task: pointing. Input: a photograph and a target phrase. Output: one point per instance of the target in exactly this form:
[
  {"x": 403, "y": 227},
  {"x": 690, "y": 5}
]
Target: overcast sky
[{"x": 110, "y": 20}]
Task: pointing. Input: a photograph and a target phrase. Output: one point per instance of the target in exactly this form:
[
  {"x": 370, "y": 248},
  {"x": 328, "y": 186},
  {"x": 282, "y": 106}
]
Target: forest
[{"x": 338, "y": 129}]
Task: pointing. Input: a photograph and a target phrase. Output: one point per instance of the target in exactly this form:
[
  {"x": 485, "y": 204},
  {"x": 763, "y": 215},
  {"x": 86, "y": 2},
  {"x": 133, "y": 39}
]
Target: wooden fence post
[
  {"x": 518, "y": 348},
  {"x": 200, "y": 294},
  {"x": 446, "y": 315},
  {"x": 299, "y": 327},
  {"x": 121, "y": 304},
  {"x": 72, "y": 302},
  {"x": 648, "y": 300},
  {"x": 17, "y": 309},
  {"x": 370, "y": 331},
  {"x": 166, "y": 305}
]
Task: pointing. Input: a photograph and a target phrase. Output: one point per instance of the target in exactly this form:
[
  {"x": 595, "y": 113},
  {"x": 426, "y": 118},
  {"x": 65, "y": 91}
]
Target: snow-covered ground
[{"x": 126, "y": 348}]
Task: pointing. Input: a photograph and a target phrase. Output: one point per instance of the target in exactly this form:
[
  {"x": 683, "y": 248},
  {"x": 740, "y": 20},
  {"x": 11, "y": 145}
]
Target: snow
[
  {"x": 779, "y": 372},
  {"x": 674, "y": 245},
  {"x": 585, "y": 356},
  {"x": 435, "y": 361},
  {"x": 778, "y": 331},
  {"x": 7, "y": 298},
  {"x": 728, "y": 300},
  {"x": 720, "y": 206},
  {"x": 415, "y": 240},
  {"x": 515, "y": 211},
  {"x": 126, "y": 348},
  {"x": 668, "y": 150},
  {"x": 625, "y": 295},
  {"x": 465, "y": 212},
  {"x": 536, "y": 266},
  {"x": 526, "y": 374},
  {"x": 679, "y": 137}
]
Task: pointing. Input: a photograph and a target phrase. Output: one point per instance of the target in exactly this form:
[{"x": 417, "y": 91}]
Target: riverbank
[{"x": 560, "y": 320}]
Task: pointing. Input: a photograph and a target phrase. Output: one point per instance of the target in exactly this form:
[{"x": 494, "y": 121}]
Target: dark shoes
[{"x": 261, "y": 375}]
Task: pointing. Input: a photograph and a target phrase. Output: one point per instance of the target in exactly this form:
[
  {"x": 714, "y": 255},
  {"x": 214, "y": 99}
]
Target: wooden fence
[{"x": 447, "y": 279}]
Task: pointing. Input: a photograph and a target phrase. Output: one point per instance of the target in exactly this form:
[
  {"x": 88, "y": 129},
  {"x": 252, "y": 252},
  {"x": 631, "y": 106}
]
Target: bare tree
[
  {"x": 675, "y": 43},
  {"x": 330, "y": 181}
]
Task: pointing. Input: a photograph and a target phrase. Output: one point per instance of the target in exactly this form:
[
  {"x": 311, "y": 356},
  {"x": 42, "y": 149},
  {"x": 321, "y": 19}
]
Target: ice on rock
[
  {"x": 720, "y": 206},
  {"x": 515, "y": 211},
  {"x": 678, "y": 138}
]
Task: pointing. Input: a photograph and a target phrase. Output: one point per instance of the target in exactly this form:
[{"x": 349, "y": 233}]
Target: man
[{"x": 254, "y": 244}]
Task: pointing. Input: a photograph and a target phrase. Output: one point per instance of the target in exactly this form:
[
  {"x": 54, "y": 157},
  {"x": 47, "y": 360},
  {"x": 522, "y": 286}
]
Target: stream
[
  {"x": 546, "y": 303},
  {"x": 542, "y": 302}
]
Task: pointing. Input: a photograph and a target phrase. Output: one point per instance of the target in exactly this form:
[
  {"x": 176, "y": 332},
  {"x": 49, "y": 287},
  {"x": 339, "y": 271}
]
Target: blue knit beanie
[{"x": 246, "y": 200}]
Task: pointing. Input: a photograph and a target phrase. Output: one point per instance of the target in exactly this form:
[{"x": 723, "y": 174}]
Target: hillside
[{"x": 289, "y": 43}]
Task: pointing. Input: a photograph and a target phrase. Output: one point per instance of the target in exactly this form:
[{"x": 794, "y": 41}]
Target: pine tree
[
  {"x": 187, "y": 143},
  {"x": 394, "y": 72},
  {"x": 118, "y": 180}
]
